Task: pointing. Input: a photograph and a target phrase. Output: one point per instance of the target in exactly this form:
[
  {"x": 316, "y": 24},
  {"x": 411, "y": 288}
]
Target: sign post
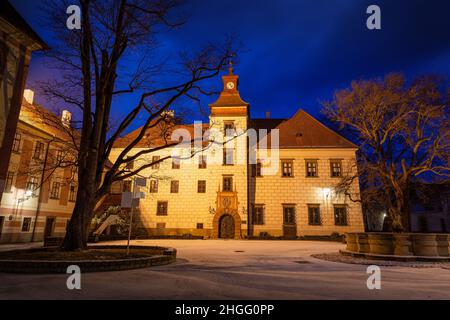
[{"x": 131, "y": 200}]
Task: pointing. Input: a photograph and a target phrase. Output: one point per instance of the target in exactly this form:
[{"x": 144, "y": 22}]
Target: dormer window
[{"x": 228, "y": 128}]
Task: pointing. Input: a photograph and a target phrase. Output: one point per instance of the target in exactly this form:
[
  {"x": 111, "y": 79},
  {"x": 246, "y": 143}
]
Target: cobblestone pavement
[{"x": 234, "y": 269}]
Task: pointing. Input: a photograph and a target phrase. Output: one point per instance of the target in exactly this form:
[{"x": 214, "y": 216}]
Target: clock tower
[
  {"x": 230, "y": 112},
  {"x": 230, "y": 102}
]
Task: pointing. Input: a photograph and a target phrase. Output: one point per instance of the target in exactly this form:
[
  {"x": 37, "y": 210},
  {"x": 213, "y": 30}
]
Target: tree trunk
[
  {"x": 399, "y": 213},
  {"x": 77, "y": 232}
]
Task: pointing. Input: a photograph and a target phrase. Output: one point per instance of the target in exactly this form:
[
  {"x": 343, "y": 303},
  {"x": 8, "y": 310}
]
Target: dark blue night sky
[{"x": 297, "y": 53}]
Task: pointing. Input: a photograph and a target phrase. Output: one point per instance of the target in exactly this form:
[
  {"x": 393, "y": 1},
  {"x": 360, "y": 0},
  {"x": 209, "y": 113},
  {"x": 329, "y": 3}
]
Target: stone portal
[{"x": 226, "y": 221}]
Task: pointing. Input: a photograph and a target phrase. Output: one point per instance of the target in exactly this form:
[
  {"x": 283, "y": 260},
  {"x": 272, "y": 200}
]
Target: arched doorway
[{"x": 226, "y": 227}]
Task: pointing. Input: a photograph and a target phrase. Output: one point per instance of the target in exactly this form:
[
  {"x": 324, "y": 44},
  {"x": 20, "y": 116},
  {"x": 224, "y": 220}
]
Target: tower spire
[{"x": 230, "y": 68}]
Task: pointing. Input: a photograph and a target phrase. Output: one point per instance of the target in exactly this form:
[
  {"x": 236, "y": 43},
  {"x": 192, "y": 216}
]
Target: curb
[
  {"x": 394, "y": 257},
  {"x": 50, "y": 267}
]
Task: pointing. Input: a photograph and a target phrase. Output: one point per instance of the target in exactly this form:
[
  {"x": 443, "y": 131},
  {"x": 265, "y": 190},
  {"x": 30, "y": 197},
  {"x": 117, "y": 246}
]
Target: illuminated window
[
  {"x": 54, "y": 191},
  {"x": 26, "y": 224},
  {"x": 336, "y": 168},
  {"x": 116, "y": 187},
  {"x": 228, "y": 128},
  {"x": 228, "y": 157},
  {"x": 314, "y": 218},
  {"x": 256, "y": 169},
  {"x": 16, "y": 142},
  {"x": 155, "y": 159},
  {"x": 289, "y": 215},
  {"x": 161, "y": 209},
  {"x": 9, "y": 181},
  {"x": 201, "y": 186},
  {"x": 228, "y": 184},
  {"x": 153, "y": 186},
  {"x": 311, "y": 168},
  {"x": 175, "y": 163},
  {"x": 202, "y": 162},
  {"x": 258, "y": 214},
  {"x": 161, "y": 225},
  {"x": 59, "y": 157},
  {"x": 126, "y": 186},
  {"x": 72, "y": 192},
  {"x": 340, "y": 215},
  {"x": 287, "y": 168},
  {"x": 174, "y": 186},
  {"x": 32, "y": 184},
  {"x": 38, "y": 151}
]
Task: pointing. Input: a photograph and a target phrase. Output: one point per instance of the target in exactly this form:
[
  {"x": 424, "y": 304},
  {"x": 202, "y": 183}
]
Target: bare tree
[
  {"x": 403, "y": 130},
  {"x": 94, "y": 62}
]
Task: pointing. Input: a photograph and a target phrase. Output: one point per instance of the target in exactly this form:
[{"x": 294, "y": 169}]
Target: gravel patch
[{"x": 337, "y": 257}]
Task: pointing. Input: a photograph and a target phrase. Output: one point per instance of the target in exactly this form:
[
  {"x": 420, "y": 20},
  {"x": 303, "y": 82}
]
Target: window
[
  {"x": 126, "y": 186},
  {"x": 257, "y": 169},
  {"x": 155, "y": 165},
  {"x": 116, "y": 187},
  {"x": 54, "y": 191},
  {"x": 336, "y": 168},
  {"x": 201, "y": 186},
  {"x": 16, "y": 142},
  {"x": 38, "y": 151},
  {"x": 9, "y": 181},
  {"x": 311, "y": 168},
  {"x": 174, "y": 186},
  {"x": 228, "y": 128},
  {"x": 289, "y": 215},
  {"x": 199, "y": 225},
  {"x": 153, "y": 186},
  {"x": 161, "y": 225},
  {"x": 286, "y": 167},
  {"x": 228, "y": 184},
  {"x": 161, "y": 209},
  {"x": 202, "y": 162},
  {"x": 175, "y": 163},
  {"x": 72, "y": 192},
  {"x": 59, "y": 157},
  {"x": 228, "y": 156},
  {"x": 258, "y": 214},
  {"x": 130, "y": 165},
  {"x": 314, "y": 218},
  {"x": 26, "y": 224},
  {"x": 32, "y": 184},
  {"x": 340, "y": 215}
]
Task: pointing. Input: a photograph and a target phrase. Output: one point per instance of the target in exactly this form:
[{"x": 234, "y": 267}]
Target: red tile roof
[
  {"x": 300, "y": 131},
  {"x": 304, "y": 131},
  {"x": 45, "y": 120},
  {"x": 158, "y": 135}
]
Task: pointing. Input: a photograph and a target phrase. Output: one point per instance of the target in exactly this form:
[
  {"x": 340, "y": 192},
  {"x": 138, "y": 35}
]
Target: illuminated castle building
[{"x": 220, "y": 193}]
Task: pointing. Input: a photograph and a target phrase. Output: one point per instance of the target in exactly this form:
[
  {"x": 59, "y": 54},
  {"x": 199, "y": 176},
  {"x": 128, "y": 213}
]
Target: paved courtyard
[{"x": 231, "y": 269}]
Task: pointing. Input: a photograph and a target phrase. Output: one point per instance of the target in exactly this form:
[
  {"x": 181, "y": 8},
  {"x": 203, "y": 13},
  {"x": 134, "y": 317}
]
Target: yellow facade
[{"x": 36, "y": 201}]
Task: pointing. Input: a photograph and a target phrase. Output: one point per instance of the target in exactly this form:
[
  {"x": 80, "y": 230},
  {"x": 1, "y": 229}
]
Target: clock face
[{"x": 230, "y": 85}]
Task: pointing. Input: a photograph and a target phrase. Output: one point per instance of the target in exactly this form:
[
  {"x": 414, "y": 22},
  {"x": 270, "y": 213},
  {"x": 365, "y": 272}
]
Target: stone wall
[{"x": 399, "y": 244}]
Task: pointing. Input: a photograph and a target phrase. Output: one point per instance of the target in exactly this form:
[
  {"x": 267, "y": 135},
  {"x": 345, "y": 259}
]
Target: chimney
[
  {"x": 66, "y": 118},
  {"x": 170, "y": 114},
  {"x": 28, "y": 95},
  {"x": 267, "y": 114}
]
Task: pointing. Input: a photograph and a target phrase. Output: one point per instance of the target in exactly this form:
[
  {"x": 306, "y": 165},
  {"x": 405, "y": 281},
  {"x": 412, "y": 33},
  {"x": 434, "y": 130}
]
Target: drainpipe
[{"x": 38, "y": 209}]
